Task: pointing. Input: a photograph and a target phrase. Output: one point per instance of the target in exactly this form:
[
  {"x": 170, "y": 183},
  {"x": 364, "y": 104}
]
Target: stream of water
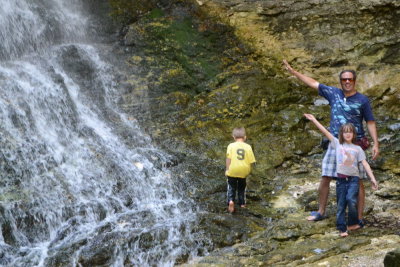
[{"x": 73, "y": 190}]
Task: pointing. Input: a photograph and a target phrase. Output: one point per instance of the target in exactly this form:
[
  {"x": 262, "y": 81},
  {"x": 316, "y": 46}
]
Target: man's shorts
[{"x": 329, "y": 164}]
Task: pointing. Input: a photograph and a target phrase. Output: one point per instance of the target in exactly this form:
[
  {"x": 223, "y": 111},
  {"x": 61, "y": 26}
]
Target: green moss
[
  {"x": 156, "y": 13},
  {"x": 126, "y": 11},
  {"x": 188, "y": 54}
]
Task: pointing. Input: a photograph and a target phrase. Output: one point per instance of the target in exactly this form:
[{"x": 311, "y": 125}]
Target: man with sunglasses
[{"x": 347, "y": 105}]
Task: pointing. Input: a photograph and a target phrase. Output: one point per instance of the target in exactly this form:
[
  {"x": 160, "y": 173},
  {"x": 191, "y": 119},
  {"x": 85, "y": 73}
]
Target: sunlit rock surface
[{"x": 211, "y": 65}]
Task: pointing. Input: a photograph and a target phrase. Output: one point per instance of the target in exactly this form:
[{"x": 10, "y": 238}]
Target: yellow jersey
[{"x": 241, "y": 156}]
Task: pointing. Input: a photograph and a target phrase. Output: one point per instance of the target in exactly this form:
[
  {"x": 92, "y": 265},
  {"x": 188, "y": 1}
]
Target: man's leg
[
  {"x": 361, "y": 195},
  {"x": 328, "y": 170},
  {"x": 323, "y": 192}
]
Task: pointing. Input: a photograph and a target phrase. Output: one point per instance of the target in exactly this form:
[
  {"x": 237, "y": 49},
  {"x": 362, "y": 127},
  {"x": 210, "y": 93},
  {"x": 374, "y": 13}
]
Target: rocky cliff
[{"x": 213, "y": 64}]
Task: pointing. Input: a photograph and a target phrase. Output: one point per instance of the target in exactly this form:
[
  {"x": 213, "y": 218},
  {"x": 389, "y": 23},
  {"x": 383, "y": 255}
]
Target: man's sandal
[{"x": 315, "y": 216}]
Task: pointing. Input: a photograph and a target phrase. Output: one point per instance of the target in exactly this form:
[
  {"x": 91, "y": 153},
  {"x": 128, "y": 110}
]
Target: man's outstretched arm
[{"x": 305, "y": 79}]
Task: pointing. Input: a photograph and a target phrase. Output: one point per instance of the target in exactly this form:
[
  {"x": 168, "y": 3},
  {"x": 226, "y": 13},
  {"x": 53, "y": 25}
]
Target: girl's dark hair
[{"x": 347, "y": 127}]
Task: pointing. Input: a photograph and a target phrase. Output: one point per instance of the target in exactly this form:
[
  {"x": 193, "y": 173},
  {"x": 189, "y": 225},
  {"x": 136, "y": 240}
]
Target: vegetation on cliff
[{"x": 210, "y": 66}]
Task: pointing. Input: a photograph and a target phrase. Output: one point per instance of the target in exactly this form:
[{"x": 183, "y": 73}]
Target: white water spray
[{"x": 73, "y": 191}]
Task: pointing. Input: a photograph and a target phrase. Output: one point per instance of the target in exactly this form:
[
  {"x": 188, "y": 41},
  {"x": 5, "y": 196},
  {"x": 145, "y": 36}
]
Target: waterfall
[{"x": 80, "y": 183}]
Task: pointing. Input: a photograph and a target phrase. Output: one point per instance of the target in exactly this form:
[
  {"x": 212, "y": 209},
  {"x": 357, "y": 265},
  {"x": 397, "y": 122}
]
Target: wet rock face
[
  {"x": 323, "y": 38},
  {"x": 337, "y": 32},
  {"x": 205, "y": 76}
]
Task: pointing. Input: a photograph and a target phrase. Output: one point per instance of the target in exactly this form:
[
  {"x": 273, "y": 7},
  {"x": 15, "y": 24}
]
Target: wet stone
[{"x": 392, "y": 258}]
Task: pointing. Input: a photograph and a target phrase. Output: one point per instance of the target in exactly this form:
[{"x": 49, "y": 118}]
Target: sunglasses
[{"x": 345, "y": 79}]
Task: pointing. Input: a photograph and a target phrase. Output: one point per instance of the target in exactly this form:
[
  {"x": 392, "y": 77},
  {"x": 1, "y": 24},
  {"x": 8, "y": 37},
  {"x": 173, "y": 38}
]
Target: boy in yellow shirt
[{"x": 239, "y": 157}]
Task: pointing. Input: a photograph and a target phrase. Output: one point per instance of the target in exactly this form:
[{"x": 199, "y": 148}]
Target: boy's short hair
[{"x": 239, "y": 132}]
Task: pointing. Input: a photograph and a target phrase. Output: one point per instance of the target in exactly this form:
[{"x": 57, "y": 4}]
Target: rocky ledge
[{"x": 212, "y": 64}]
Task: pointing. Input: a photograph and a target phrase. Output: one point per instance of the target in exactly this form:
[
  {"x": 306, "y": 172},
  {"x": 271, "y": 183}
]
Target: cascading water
[{"x": 80, "y": 184}]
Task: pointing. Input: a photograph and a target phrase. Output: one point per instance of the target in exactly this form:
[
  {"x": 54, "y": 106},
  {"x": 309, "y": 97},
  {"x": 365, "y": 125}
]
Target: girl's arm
[
  {"x": 370, "y": 174},
  {"x": 320, "y": 126}
]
